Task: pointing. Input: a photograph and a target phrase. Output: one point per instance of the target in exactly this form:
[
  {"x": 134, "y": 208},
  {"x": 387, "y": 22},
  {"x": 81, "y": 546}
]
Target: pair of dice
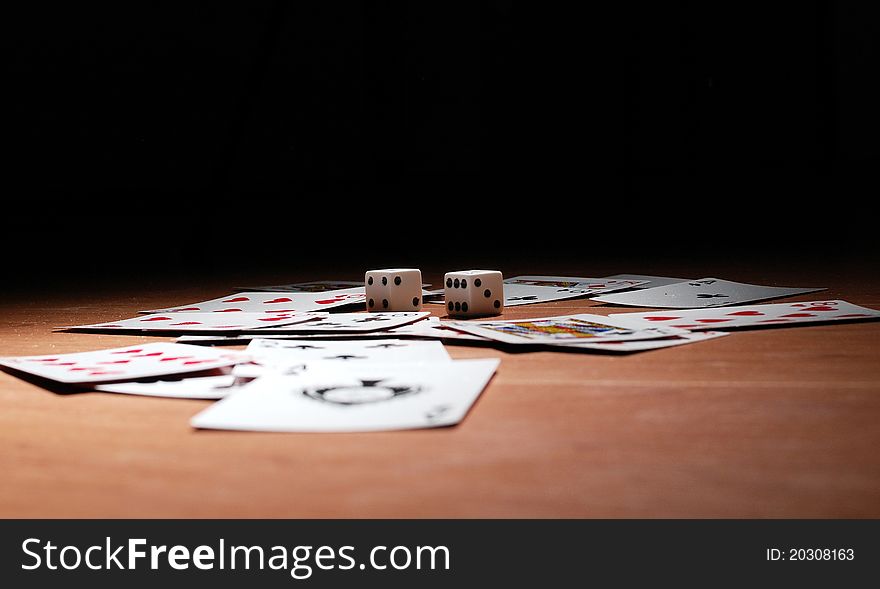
[{"x": 468, "y": 293}]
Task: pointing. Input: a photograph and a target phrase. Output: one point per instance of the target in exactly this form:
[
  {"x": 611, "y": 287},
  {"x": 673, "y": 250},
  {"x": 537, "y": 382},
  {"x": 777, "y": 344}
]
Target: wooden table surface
[{"x": 763, "y": 423}]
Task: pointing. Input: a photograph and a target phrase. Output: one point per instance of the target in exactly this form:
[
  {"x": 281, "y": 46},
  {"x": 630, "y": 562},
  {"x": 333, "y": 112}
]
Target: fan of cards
[{"x": 314, "y": 363}]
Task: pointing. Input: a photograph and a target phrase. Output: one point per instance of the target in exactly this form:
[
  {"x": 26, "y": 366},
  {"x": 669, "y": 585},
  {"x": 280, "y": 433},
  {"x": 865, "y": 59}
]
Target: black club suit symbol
[{"x": 368, "y": 391}]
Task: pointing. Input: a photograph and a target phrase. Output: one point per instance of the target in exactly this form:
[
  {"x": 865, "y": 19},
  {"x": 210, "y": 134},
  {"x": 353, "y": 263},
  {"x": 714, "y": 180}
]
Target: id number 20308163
[{"x": 810, "y": 554}]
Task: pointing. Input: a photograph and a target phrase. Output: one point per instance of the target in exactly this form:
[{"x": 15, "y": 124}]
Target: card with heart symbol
[
  {"x": 272, "y": 302},
  {"x": 124, "y": 364},
  {"x": 767, "y": 315}
]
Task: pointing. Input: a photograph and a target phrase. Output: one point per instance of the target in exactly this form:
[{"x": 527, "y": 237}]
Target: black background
[{"x": 193, "y": 139}]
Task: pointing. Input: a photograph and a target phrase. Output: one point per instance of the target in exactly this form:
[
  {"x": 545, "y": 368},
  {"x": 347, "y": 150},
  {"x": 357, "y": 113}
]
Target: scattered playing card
[
  {"x": 525, "y": 290},
  {"x": 349, "y": 323},
  {"x": 123, "y": 364},
  {"x": 702, "y": 293},
  {"x": 767, "y": 315},
  {"x": 432, "y": 327},
  {"x": 199, "y": 322},
  {"x": 280, "y": 355},
  {"x": 356, "y": 398},
  {"x": 561, "y": 330},
  {"x": 203, "y": 387},
  {"x": 649, "y": 281},
  {"x": 653, "y": 344},
  {"x": 273, "y": 302},
  {"x": 311, "y": 286}
]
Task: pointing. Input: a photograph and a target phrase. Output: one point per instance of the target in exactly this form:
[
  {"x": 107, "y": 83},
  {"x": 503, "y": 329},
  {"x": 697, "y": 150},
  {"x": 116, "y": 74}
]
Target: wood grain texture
[{"x": 763, "y": 423}]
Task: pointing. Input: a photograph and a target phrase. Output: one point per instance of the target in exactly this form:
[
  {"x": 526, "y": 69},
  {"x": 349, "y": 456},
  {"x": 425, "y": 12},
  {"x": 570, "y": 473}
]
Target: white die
[
  {"x": 397, "y": 289},
  {"x": 470, "y": 293}
]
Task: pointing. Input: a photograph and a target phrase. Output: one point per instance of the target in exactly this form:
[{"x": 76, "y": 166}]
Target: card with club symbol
[{"x": 702, "y": 293}]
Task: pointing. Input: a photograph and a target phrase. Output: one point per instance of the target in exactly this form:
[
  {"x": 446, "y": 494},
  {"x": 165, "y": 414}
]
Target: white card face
[
  {"x": 311, "y": 286},
  {"x": 432, "y": 327},
  {"x": 204, "y": 387},
  {"x": 649, "y": 281},
  {"x": 525, "y": 290},
  {"x": 295, "y": 356},
  {"x": 429, "y": 327},
  {"x": 200, "y": 322},
  {"x": 278, "y": 352},
  {"x": 273, "y": 302},
  {"x": 702, "y": 293},
  {"x": 562, "y": 330},
  {"x": 351, "y": 323},
  {"x": 768, "y": 315},
  {"x": 363, "y": 398},
  {"x": 120, "y": 364},
  {"x": 653, "y": 344}
]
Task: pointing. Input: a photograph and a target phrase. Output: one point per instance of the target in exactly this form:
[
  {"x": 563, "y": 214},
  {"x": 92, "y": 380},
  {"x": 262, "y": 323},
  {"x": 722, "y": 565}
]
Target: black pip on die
[
  {"x": 470, "y": 293},
  {"x": 394, "y": 290}
]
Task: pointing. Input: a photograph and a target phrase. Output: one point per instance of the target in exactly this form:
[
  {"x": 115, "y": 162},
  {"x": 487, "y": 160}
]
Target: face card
[
  {"x": 122, "y": 364},
  {"x": 702, "y": 293},
  {"x": 649, "y": 281},
  {"x": 350, "y": 323},
  {"x": 199, "y": 322},
  {"x": 273, "y": 302},
  {"x": 653, "y": 344},
  {"x": 204, "y": 387},
  {"x": 363, "y": 398},
  {"x": 768, "y": 315},
  {"x": 562, "y": 330},
  {"x": 525, "y": 290}
]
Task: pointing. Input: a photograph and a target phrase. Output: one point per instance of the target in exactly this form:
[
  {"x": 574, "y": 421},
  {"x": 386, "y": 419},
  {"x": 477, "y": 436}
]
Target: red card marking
[
  {"x": 821, "y": 308},
  {"x": 661, "y": 318},
  {"x": 854, "y": 315},
  {"x": 279, "y": 300},
  {"x": 188, "y": 309},
  {"x": 746, "y": 313},
  {"x": 197, "y": 361},
  {"x": 227, "y": 310},
  {"x": 236, "y": 300},
  {"x": 798, "y": 315},
  {"x": 169, "y": 359},
  {"x": 115, "y": 362},
  {"x": 188, "y": 323},
  {"x": 712, "y": 320},
  {"x": 157, "y": 319},
  {"x": 148, "y": 355}
]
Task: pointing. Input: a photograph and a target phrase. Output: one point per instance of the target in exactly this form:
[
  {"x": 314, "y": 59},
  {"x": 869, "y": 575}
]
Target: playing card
[
  {"x": 199, "y": 322},
  {"x": 524, "y": 290},
  {"x": 311, "y": 286},
  {"x": 123, "y": 364},
  {"x": 649, "y": 281},
  {"x": 702, "y": 293},
  {"x": 432, "y": 327},
  {"x": 767, "y": 315},
  {"x": 653, "y": 344},
  {"x": 204, "y": 387},
  {"x": 273, "y": 302},
  {"x": 357, "y": 398},
  {"x": 561, "y": 330},
  {"x": 350, "y": 323},
  {"x": 279, "y": 355}
]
